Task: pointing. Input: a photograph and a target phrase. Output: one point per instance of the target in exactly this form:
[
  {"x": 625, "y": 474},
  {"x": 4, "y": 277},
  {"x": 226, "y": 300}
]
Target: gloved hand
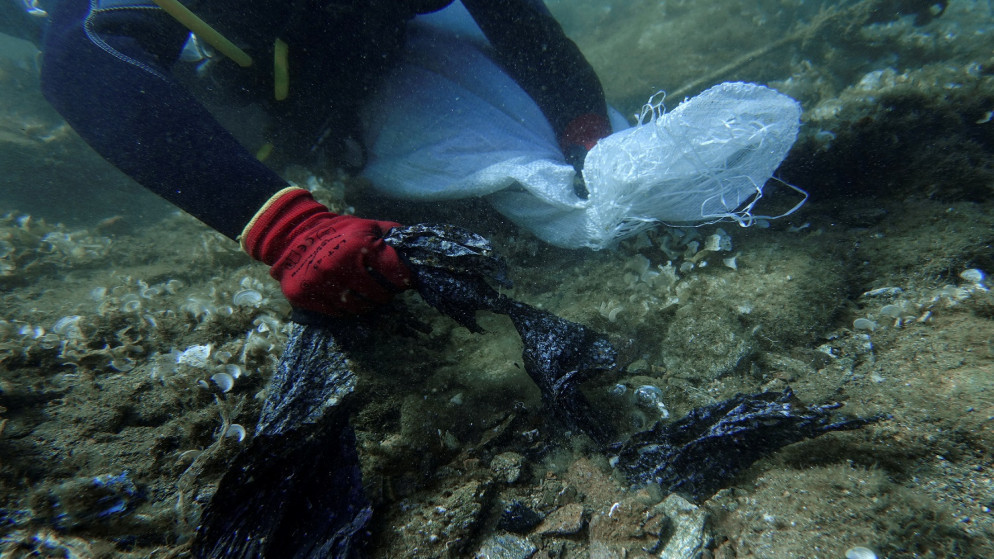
[
  {"x": 336, "y": 265},
  {"x": 580, "y": 136}
]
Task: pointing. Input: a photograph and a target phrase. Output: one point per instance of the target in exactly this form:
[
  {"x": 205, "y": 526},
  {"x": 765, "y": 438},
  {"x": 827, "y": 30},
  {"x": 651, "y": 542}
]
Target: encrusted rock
[
  {"x": 706, "y": 345},
  {"x": 627, "y": 525},
  {"x": 431, "y": 527},
  {"x": 689, "y": 536},
  {"x": 508, "y": 466},
  {"x": 506, "y": 546},
  {"x": 566, "y": 520}
]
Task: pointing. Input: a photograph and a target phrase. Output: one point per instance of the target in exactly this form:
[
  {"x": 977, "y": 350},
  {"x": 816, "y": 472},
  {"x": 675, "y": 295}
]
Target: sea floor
[{"x": 136, "y": 344}]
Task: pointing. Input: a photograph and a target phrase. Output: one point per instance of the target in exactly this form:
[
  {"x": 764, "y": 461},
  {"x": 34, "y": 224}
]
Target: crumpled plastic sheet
[
  {"x": 296, "y": 490},
  {"x": 452, "y": 267},
  {"x": 702, "y": 452}
]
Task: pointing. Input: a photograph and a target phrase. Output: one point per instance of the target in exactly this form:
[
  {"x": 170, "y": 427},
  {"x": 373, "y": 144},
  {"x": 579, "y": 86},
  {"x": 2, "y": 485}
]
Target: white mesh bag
[
  {"x": 449, "y": 123},
  {"x": 706, "y": 160}
]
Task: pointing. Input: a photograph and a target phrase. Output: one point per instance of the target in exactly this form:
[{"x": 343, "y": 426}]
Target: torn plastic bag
[
  {"x": 448, "y": 123},
  {"x": 296, "y": 490},
  {"x": 703, "y": 451}
]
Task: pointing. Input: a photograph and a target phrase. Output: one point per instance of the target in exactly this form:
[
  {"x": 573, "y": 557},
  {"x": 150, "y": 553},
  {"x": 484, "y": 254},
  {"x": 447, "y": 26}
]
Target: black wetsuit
[{"x": 106, "y": 69}]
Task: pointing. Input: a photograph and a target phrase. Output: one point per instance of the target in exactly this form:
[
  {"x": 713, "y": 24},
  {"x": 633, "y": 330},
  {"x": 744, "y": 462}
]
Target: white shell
[
  {"x": 893, "y": 311},
  {"x": 150, "y": 320},
  {"x": 235, "y": 431},
  {"x": 149, "y": 292},
  {"x": 247, "y": 298},
  {"x": 195, "y": 356},
  {"x": 48, "y": 341},
  {"x": 173, "y": 285},
  {"x": 67, "y": 326},
  {"x": 267, "y": 323},
  {"x": 864, "y": 324},
  {"x": 859, "y": 552},
  {"x": 122, "y": 364},
  {"x": 131, "y": 303},
  {"x": 972, "y": 275},
  {"x": 224, "y": 381}
]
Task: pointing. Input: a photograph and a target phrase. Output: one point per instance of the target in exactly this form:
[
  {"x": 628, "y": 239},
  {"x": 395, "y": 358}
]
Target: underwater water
[{"x": 136, "y": 345}]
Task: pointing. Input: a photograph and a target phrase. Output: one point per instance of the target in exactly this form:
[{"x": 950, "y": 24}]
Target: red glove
[
  {"x": 584, "y": 131},
  {"x": 332, "y": 264},
  {"x": 580, "y": 136}
]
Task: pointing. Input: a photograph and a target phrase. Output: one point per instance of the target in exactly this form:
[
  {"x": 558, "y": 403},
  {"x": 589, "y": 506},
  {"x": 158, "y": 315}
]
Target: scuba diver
[{"x": 108, "y": 69}]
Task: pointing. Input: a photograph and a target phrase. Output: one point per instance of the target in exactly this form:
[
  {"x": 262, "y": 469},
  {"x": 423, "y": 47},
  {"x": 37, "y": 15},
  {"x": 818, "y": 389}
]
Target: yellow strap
[
  {"x": 281, "y": 70},
  {"x": 201, "y": 29},
  {"x": 272, "y": 200}
]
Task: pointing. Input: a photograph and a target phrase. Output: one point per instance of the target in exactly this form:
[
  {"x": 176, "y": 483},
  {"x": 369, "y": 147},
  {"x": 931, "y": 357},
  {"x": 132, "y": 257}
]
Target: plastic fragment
[{"x": 701, "y": 453}]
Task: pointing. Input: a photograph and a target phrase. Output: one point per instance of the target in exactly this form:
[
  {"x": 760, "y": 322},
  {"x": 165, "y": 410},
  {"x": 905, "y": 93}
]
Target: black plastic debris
[
  {"x": 296, "y": 490},
  {"x": 702, "y": 452},
  {"x": 452, "y": 267}
]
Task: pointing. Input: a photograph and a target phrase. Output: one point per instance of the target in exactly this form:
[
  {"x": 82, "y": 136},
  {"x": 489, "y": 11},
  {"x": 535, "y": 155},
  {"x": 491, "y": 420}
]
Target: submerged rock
[
  {"x": 517, "y": 517},
  {"x": 566, "y": 520},
  {"x": 506, "y": 546}
]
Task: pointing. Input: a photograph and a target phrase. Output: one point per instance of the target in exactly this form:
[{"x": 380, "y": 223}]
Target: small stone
[
  {"x": 508, "y": 466},
  {"x": 195, "y": 356},
  {"x": 566, "y": 520}
]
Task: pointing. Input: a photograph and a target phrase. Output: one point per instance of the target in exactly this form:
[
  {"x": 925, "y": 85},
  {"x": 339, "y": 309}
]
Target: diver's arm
[
  {"x": 110, "y": 83},
  {"x": 107, "y": 74},
  {"x": 548, "y": 65}
]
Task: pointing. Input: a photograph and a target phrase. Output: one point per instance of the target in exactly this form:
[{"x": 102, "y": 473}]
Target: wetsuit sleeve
[
  {"x": 534, "y": 50},
  {"x": 106, "y": 72}
]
